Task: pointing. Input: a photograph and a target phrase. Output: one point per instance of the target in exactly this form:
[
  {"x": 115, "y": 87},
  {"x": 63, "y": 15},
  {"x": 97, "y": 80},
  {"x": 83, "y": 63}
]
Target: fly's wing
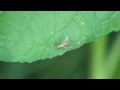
[{"x": 66, "y": 39}]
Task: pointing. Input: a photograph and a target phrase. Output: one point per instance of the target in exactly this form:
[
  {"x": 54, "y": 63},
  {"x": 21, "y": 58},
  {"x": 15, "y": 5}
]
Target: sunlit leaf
[{"x": 30, "y": 36}]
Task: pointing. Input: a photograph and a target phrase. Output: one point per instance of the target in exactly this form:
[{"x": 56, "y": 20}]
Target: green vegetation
[{"x": 49, "y": 44}]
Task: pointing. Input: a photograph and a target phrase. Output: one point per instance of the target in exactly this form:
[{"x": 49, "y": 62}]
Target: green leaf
[{"x": 29, "y": 36}]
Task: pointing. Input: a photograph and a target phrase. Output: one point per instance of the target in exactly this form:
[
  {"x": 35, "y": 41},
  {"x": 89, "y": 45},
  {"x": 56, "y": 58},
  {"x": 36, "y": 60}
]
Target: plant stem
[
  {"x": 113, "y": 57},
  {"x": 97, "y": 61}
]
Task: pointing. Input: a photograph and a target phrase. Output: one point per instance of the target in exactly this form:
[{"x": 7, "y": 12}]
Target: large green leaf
[{"x": 29, "y": 36}]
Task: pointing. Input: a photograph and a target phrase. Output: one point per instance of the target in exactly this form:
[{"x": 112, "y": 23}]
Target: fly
[{"x": 64, "y": 43}]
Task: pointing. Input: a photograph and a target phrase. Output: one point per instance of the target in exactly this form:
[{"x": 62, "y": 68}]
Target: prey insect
[{"x": 64, "y": 43}]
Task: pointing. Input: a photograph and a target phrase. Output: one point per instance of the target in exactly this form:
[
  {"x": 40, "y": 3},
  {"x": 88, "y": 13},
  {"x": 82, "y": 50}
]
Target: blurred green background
[{"x": 97, "y": 59}]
